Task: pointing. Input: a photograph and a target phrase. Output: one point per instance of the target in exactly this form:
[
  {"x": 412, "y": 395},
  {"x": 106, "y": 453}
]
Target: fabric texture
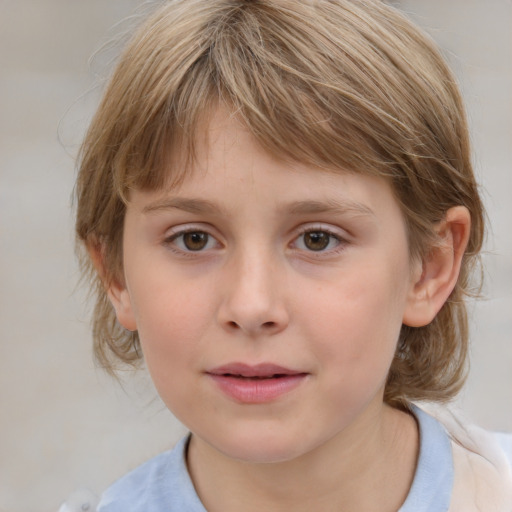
[
  {"x": 482, "y": 465},
  {"x": 160, "y": 485},
  {"x": 460, "y": 469}
]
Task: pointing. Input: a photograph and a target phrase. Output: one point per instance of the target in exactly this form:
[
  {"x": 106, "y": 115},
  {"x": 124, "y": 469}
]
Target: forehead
[
  {"x": 231, "y": 171},
  {"x": 222, "y": 144}
]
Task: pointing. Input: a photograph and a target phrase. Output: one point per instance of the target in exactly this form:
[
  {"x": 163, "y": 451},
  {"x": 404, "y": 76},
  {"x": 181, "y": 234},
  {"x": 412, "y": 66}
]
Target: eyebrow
[
  {"x": 180, "y": 203},
  {"x": 202, "y": 206},
  {"x": 330, "y": 206}
]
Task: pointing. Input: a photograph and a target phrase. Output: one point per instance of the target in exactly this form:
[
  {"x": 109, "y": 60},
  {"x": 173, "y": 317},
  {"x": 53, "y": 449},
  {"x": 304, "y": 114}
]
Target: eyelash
[
  {"x": 171, "y": 240},
  {"x": 340, "y": 241}
]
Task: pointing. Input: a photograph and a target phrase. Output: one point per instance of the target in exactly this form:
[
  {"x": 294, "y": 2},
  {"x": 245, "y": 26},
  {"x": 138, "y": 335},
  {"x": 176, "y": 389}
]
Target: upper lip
[{"x": 258, "y": 370}]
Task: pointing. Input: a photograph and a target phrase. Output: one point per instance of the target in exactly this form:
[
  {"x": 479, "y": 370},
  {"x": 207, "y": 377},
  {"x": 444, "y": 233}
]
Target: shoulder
[
  {"x": 483, "y": 472},
  {"x": 162, "y": 483},
  {"x": 482, "y": 462},
  {"x": 504, "y": 441},
  {"x": 133, "y": 487},
  {"x": 133, "y": 491}
]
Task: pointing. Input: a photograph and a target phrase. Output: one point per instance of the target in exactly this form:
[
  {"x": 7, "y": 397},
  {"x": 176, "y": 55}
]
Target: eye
[
  {"x": 192, "y": 241},
  {"x": 317, "y": 240}
]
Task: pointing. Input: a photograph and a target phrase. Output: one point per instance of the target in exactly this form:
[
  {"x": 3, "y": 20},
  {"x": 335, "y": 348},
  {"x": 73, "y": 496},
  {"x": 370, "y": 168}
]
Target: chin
[{"x": 261, "y": 447}]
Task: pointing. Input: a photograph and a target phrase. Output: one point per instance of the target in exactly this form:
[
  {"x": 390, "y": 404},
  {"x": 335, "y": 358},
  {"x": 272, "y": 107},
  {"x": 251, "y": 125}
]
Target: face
[{"x": 268, "y": 297}]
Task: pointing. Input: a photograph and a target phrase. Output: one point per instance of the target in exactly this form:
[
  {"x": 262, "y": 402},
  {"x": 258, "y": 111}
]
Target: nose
[{"x": 254, "y": 296}]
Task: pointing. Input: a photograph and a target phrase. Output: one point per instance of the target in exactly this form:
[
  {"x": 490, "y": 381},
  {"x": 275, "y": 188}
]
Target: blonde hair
[{"x": 339, "y": 84}]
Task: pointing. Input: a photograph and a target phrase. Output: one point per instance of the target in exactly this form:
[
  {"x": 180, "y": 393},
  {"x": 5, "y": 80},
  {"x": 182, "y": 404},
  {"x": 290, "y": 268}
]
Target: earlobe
[
  {"x": 120, "y": 299},
  {"x": 437, "y": 277},
  {"x": 117, "y": 292}
]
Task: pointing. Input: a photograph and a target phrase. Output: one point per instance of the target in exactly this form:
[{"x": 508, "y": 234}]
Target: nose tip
[{"x": 254, "y": 300}]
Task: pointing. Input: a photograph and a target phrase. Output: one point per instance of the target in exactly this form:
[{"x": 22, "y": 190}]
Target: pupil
[
  {"x": 316, "y": 240},
  {"x": 195, "y": 241}
]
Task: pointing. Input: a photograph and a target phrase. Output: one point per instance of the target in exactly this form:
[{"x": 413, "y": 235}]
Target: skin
[{"x": 251, "y": 285}]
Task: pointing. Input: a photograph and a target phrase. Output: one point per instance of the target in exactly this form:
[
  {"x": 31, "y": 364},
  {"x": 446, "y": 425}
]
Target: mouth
[
  {"x": 259, "y": 371},
  {"x": 256, "y": 384}
]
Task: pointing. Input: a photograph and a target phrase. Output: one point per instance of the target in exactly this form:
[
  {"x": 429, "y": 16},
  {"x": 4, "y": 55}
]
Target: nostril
[{"x": 266, "y": 326}]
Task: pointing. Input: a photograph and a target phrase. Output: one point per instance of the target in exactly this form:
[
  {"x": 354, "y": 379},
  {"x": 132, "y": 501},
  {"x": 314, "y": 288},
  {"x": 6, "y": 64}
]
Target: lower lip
[{"x": 257, "y": 391}]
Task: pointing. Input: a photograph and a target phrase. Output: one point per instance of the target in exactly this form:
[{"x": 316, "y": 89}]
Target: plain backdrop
[{"x": 64, "y": 424}]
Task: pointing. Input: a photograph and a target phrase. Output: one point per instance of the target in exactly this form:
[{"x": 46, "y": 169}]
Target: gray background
[{"x": 64, "y": 424}]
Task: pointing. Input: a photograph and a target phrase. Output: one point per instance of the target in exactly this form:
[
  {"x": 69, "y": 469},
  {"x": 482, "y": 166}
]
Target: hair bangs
[{"x": 253, "y": 64}]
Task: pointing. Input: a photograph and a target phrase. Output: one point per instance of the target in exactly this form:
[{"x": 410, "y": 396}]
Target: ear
[
  {"x": 438, "y": 273},
  {"x": 117, "y": 291}
]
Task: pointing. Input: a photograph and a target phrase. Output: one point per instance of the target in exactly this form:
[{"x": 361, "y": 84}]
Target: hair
[{"x": 335, "y": 84}]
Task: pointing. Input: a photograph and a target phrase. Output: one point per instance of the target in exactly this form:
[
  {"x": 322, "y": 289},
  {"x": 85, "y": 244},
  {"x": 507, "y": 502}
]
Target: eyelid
[
  {"x": 188, "y": 228},
  {"x": 339, "y": 234},
  {"x": 176, "y": 231},
  {"x": 335, "y": 231}
]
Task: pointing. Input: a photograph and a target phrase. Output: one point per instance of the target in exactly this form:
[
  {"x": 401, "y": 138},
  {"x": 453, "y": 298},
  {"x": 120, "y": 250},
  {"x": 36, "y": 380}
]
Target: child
[{"x": 279, "y": 209}]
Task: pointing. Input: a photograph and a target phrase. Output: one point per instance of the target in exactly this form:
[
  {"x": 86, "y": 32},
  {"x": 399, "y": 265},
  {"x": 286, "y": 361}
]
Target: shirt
[{"x": 163, "y": 483}]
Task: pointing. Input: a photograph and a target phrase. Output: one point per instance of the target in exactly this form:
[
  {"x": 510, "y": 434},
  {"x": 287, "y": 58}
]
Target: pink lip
[{"x": 256, "y": 384}]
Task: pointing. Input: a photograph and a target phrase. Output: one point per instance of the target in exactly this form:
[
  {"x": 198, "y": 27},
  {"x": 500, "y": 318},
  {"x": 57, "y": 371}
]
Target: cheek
[
  {"x": 171, "y": 321},
  {"x": 171, "y": 326},
  {"x": 356, "y": 324}
]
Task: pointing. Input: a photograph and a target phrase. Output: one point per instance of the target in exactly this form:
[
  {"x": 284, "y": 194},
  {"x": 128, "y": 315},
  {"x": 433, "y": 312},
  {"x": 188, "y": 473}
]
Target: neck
[{"x": 369, "y": 467}]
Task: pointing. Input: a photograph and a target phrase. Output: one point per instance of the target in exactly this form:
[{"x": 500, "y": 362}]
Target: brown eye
[
  {"x": 317, "y": 240},
  {"x": 195, "y": 240},
  {"x": 192, "y": 241},
  {"x": 320, "y": 241}
]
